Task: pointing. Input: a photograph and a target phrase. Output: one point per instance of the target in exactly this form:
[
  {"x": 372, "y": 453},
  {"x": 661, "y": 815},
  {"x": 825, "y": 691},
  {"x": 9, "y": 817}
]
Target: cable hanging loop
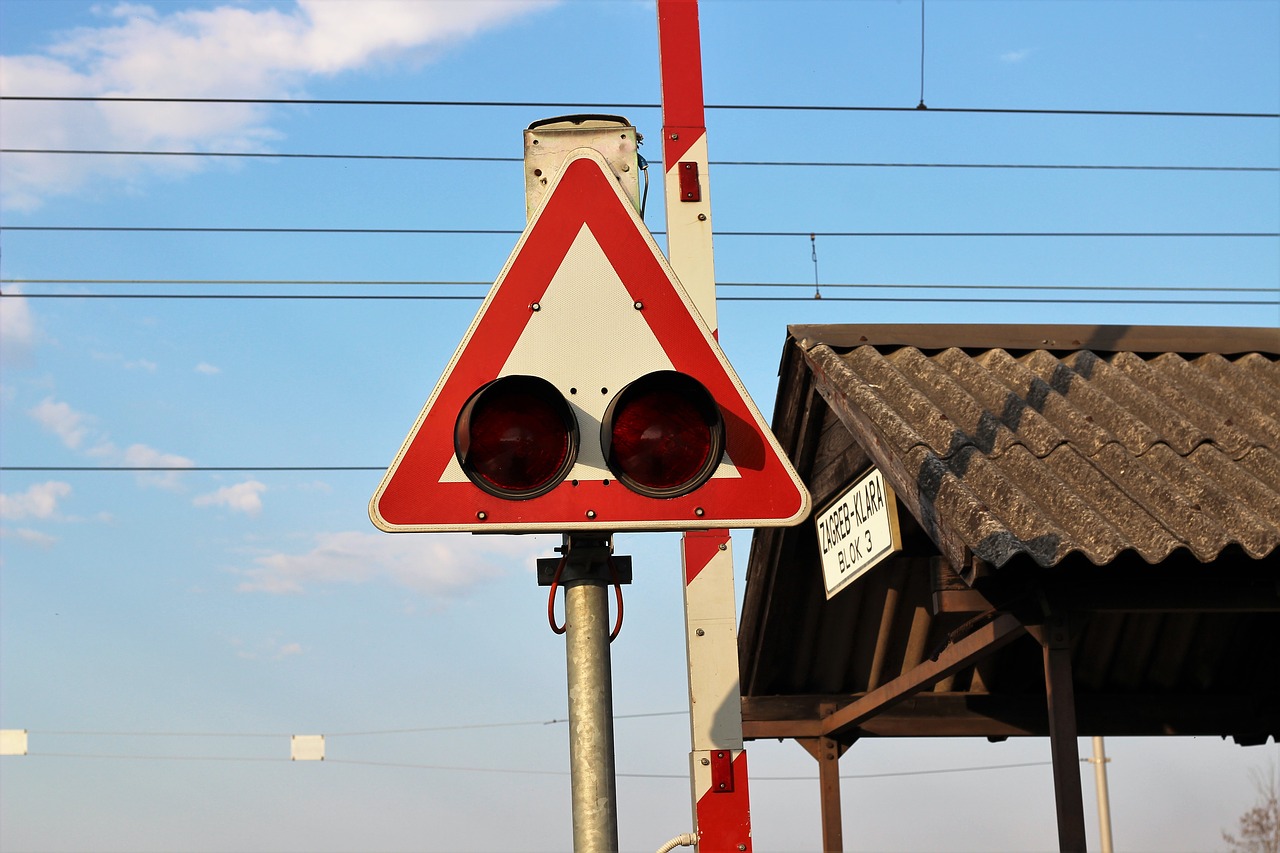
[
  {"x": 585, "y": 569},
  {"x": 617, "y": 592},
  {"x": 551, "y": 597}
]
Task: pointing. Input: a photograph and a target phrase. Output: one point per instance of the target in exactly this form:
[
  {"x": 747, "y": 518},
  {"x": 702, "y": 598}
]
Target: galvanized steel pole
[
  {"x": 1099, "y": 762},
  {"x": 595, "y": 811}
]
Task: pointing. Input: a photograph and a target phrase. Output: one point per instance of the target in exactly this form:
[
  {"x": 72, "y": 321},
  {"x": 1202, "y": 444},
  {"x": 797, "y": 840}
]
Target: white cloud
[
  {"x": 439, "y": 565},
  {"x": 242, "y": 497},
  {"x": 104, "y": 449},
  {"x": 26, "y": 534},
  {"x": 143, "y": 456},
  {"x": 225, "y": 51},
  {"x": 207, "y": 369},
  {"x": 62, "y": 420},
  {"x": 76, "y": 430},
  {"x": 271, "y": 648},
  {"x": 136, "y": 364},
  {"x": 1014, "y": 56},
  {"x": 17, "y": 326},
  {"x": 38, "y": 501}
]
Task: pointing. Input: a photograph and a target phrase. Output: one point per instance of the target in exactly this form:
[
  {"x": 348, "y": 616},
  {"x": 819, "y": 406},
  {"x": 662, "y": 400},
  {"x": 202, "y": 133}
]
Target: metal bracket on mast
[{"x": 586, "y": 558}]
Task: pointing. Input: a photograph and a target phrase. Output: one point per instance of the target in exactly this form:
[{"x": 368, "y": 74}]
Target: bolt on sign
[{"x": 857, "y": 531}]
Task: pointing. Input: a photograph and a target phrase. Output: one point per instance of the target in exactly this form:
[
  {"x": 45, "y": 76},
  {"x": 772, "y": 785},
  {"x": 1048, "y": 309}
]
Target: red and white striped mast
[{"x": 718, "y": 763}]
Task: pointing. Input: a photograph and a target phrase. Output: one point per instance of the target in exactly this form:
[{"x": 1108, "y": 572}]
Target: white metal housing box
[{"x": 547, "y": 143}]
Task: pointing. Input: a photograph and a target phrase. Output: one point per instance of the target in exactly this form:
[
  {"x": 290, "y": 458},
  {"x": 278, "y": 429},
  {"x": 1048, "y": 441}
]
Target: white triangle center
[{"x": 587, "y": 304}]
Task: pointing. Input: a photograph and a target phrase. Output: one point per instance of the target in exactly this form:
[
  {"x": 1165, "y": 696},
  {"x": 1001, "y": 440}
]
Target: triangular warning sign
[{"x": 588, "y": 302}]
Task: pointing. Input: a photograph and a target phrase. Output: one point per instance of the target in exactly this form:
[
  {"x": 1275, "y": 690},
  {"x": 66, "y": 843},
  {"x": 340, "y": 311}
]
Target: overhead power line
[
  {"x": 249, "y": 281},
  {"x": 175, "y": 469},
  {"x": 451, "y": 768},
  {"x": 1073, "y": 166},
  {"x": 397, "y": 731},
  {"x": 197, "y": 735},
  {"x": 1000, "y": 300},
  {"x": 580, "y": 107},
  {"x": 1111, "y": 288},
  {"x": 203, "y": 229},
  {"x": 754, "y": 778},
  {"x": 262, "y": 155},
  {"x": 429, "y": 297},
  {"x": 319, "y": 297},
  {"x": 998, "y": 233},
  {"x": 763, "y": 163}
]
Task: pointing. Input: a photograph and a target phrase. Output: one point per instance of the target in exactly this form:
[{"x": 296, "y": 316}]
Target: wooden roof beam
[
  {"x": 996, "y": 634},
  {"x": 1250, "y": 719}
]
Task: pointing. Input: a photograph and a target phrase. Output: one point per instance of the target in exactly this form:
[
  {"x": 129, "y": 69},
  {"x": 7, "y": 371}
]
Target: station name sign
[{"x": 857, "y": 531}]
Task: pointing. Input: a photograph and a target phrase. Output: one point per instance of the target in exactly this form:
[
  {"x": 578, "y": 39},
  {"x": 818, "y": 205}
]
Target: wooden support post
[
  {"x": 1056, "y": 641},
  {"x": 829, "y": 784},
  {"x": 827, "y": 751}
]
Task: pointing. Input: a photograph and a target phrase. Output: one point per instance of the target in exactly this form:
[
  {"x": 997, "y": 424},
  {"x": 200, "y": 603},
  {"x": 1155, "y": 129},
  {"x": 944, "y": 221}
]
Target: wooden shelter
[{"x": 1089, "y": 523}]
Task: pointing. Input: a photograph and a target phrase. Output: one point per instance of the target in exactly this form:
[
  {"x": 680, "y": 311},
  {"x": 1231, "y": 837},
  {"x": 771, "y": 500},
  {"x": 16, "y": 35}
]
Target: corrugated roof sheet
[
  {"x": 1030, "y": 447},
  {"x": 1046, "y": 454}
]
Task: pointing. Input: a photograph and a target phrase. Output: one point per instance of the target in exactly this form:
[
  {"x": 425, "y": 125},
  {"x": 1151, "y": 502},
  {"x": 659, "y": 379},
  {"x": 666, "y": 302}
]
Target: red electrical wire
[
  {"x": 617, "y": 591},
  {"x": 551, "y": 598},
  {"x": 555, "y": 584}
]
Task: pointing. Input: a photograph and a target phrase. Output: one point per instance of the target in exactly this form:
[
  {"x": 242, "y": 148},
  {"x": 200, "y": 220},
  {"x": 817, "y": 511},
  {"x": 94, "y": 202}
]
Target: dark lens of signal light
[
  {"x": 516, "y": 437},
  {"x": 663, "y": 435}
]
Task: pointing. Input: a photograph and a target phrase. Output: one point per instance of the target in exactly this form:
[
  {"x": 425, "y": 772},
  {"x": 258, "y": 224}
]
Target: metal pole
[
  {"x": 595, "y": 810},
  {"x": 1099, "y": 762}
]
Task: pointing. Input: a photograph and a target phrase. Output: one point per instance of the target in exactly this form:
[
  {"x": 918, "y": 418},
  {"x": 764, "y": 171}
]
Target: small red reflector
[
  {"x": 516, "y": 437},
  {"x": 663, "y": 435}
]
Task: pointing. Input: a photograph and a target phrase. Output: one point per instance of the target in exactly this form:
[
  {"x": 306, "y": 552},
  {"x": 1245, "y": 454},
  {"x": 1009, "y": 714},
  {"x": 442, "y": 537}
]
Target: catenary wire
[
  {"x": 189, "y": 468},
  {"x": 264, "y": 155},
  {"x": 457, "y": 727},
  {"x": 625, "y": 775},
  {"x": 522, "y": 771},
  {"x": 399, "y": 731},
  {"x": 1082, "y": 166},
  {"x": 783, "y": 163},
  {"x": 374, "y": 102},
  {"x": 124, "y": 757},
  {"x": 743, "y": 284},
  {"x": 214, "y": 229},
  {"x": 432, "y": 729},
  {"x": 307, "y": 281},
  {"x": 428, "y": 297}
]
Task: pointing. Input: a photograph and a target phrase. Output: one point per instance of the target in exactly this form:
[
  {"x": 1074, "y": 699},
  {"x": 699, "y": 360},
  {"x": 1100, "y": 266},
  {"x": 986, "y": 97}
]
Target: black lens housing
[
  {"x": 516, "y": 437},
  {"x": 663, "y": 435}
]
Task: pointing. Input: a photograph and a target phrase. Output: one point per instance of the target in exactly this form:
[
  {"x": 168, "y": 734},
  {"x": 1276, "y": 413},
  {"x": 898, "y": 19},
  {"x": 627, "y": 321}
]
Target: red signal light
[
  {"x": 663, "y": 435},
  {"x": 516, "y": 437}
]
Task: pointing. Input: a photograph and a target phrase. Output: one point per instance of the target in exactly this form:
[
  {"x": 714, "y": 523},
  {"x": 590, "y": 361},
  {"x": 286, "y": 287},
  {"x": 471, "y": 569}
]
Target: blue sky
[{"x": 162, "y": 635}]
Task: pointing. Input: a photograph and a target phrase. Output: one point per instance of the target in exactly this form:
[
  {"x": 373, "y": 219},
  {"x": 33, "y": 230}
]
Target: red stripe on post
[
  {"x": 700, "y": 548},
  {"x": 676, "y": 142},
  {"x": 724, "y": 819},
  {"x": 680, "y": 52}
]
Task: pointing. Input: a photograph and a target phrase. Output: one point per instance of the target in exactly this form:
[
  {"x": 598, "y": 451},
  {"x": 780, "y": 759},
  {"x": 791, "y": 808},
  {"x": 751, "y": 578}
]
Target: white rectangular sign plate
[{"x": 857, "y": 531}]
